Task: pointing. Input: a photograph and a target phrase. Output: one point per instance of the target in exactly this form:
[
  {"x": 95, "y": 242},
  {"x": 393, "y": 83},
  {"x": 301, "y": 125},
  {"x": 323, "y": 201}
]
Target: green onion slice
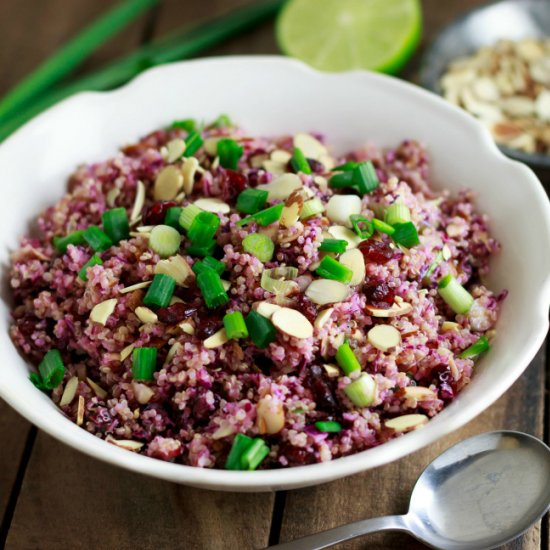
[
  {"x": 116, "y": 225},
  {"x": 329, "y": 268},
  {"x": 203, "y": 250},
  {"x": 299, "y": 162},
  {"x": 94, "y": 260},
  {"x": 172, "y": 218},
  {"x": 193, "y": 142},
  {"x": 365, "y": 177},
  {"x": 188, "y": 215},
  {"x": 203, "y": 228},
  {"x": 362, "y": 226},
  {"x": 211, "y": 288},
  {"x": 405, "y": 234},
  {"x": 161, "y": 291},
  {"x": 259, "y": 245},
  {"x": 144, "y": 364},
  {"x": 187, "y": 124},
  {"x": 382, "y": 227},
  {"x": 234, "y": 325},
  {"x": 51, "y": 369},
  {"x": 229, "y": 152},
  {"x": 455, "y": 295},
  {"x": 279, "y": 279},
  {"x": 251, "y": 201},
  {"x": 97, "y": 239},
  {"x": 260, "y": 329},
  {"x": 75, "y": 238},
  {"x": 208, "y": 263},
  {"x": 337, "y": 246},
  {"x": 346, "y": 167},
  {"x": 397, "y": 213},
  {"x": 265, "y": 217},
  {"x": 329, "y": 426},
  {"x": 362, "y": 391},
  {"x": 312, "y": 207},
  {"x": 347, "y": 360},
  {"x": 477, "y": 348},
  {"x": 254, "y": 455},
  {"x": 240, "y": 444},
  {"x": 164, "y": 240},
  {"x": 339, "y": 181},
  {"x": 223, "y": 121}
]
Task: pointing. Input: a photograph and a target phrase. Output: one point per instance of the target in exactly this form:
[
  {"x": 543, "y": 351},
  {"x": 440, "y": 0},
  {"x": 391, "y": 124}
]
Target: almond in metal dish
[
  {"x": 102, "y": 311},
  {"x": 174, "y": 150},
  {"x": 353, "y": 258},
  {"x": 384, "y": 337},
  {"x": 270, "y": 415},
  {"x": 292, "y": 322},
  {"x": 168, "y": 183},
  {"x": 327, "y": 291},
  {"x": 407, "y": 422},
  {"x": 212, "y": 204},
  {"x": 216, "y": 340}
]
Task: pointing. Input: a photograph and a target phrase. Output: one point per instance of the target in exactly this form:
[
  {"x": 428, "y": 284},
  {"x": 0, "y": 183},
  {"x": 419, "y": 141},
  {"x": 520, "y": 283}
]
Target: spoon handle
[{"x": 324, "y": 539}]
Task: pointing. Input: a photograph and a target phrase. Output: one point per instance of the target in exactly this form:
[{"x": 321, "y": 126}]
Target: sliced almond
[
  {"x": 145, "y": 315},
  {"x": 212, "y": 204},
  {"x": 69, "y": 392},
  {"x": 292, "y": 210},
  {"x": 485, "y": 89},
  {"x": 341, "y": 232},
  {"x": 175, "y": 149},
  {"x": 102, "y": 311},
  {"x": 226, "y": 284},
  {"x": 216, "y": 340},
  {"x": 341, "y": 207},
  {"x": 80, "y": 411},
  {"x": 384, "y": 337},
  {"x": 292, "y": 322},
  {"x": 126, "y": 444},
  {"x": 332, "y": 370},
  {"x": 322, "y": 318},
  {"x": 187, "y": 327},
  {"x": 275, "y": 168},
  {"x": 407, "y": 422},
  {"x": 542, "y": 105},
  {"x": 175, "y": 348},
  {"x": 211, "y": 146},
  {"x": 419, "y": 393},
  {"x": 266, "y": 309},
  {"x": 281, "y": 156},
  {"x": 327, "y": 291},
  {"x": 98, "y": 390},
  {"x": 112, "y": 196},
  {"x": 448, "y": 326},
  {"x": 137, "y": 286},
  {"x": 354, "y": 259},
  {"x": 311, "y": 147},
  {"x": 518, "y": 106},
  {"x": 168, "y": 184},
  {"x": 127, "y": 351},
  {"x": 188, "y": 170},
  {"x": 176, "y": 300},
  {"x": 270, "y": 415},
  {"x": 446, "y": 252},
  {"x": 395, "y": 310},
  {"x": 282, "y": 187},
  {"x": 178, "y": 268},
  {"x": 139, "y": 201}
]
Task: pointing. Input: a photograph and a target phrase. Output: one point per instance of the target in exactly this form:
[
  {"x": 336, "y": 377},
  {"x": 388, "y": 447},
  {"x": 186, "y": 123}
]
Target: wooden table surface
[{"x": 52, "y": 497}]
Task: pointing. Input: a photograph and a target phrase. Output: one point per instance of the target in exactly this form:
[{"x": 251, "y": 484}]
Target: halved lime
[{"x": 342, "y": 35}]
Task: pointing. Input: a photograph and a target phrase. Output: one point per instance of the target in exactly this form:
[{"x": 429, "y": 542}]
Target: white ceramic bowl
[{"x": 270, "y": 96}]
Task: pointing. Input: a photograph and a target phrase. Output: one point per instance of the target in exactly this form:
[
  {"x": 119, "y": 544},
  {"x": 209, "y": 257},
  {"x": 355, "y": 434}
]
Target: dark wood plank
[
  {"x": 70, "y": 501},
  {"x": 386, "y": 490}
]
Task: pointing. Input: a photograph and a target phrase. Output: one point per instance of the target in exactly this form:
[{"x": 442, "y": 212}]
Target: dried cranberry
[
  {"x": 445, "y": 381},
  {"x": 253, "y": 177},
  {"x": 207, "y": 326},
  {"x": 232, "y": 184},
  {"x": 316, "y": 166},
  {"x": 379, "y": 295},
  {"x": 175, "y": 313},
  {"x": 321, "y": 390},
  {"x": 376, "y": 252},
  {"x": 307, "y": 307},
  {"x": 155, "y": 214},
  {"x": 296, "y": 456}
]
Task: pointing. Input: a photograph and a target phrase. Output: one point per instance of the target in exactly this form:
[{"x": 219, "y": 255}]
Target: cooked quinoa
[{"x": 206, "y": 388}]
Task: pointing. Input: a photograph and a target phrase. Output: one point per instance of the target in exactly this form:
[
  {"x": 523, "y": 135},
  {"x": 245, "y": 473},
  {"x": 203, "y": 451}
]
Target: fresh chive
[
  {"x": 455, "y": 295},
  {"x": 51, "y": 369},
  {"x": 97, "y": 239},
  {"x": 333, "y": 245},
  {"x": 164, "y": 240},
  {"x": 223, "y": 121},
  {"x": 254, "y": 455},
  {"x": 94, "y": 260},
  {"x": 75, "y": 238},
  {"x": 67, "y": 58},
  {"x": 187, "y": 124},
  {"x": 208, "y": 263},
  {"x": 229, "y": 152},
  {"x": 299, "y": 162},
  {"x": 347, "y": 360},
  {"x": 161, "y": 291},
  {"x": 265, "y": 217},
  {"x": 188, "y": 215},
  {"x": 259, "y": 245},
  {"x": 193, "y": 142},
  {"x": 172, "y": 217},
  {"x": 346, "y": 167},
  {"x": 144, "y": 364},
  {"x": 116, "y": 225},
  {"x": 362, "y": 226},
  {"x": 382, "y": 227},
  {"x": 203, "y": 249},
  {"x": 203, "y": 228},
  {"x": 339, "y": 181},
  {"x": 312, "y": 207},
  {"x": 365, "y": 177},
  {"x": 477, "y": 348},
  {"x": 260, "y": 329},
  {"x": 397, "y": 213},
  {"x": 211, "y": 287},
  {"x": 362, "y": 391},
  {"x": 329, "y": 268},
  {"x": 329, "y": 426},
  {"x": 240, "y": 444},
  {"x": 405, "y": 234},
  {"x": 251, "y": 201},
  {"x": 36, "y": 379},
  {"x": 234, "y": 325}
]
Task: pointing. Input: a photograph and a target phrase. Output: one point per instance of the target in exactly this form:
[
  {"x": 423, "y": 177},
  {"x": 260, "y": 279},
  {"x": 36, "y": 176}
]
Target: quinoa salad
[{"x": 220, "y": 300}]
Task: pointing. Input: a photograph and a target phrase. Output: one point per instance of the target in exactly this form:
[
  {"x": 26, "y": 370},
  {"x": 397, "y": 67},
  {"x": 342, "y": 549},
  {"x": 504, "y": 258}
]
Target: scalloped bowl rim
[{"x": 67, "y": 432}]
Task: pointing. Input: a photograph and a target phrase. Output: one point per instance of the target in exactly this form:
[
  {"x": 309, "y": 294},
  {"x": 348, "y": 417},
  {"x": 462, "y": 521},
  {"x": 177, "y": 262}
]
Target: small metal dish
[{"x": 510, "y": 19}]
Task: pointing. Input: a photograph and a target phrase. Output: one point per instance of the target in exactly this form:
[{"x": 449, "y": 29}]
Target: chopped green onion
[
  {"x": 164, "y": 240},
  {"x": 365, "y": 177},
  {"x": 188, "y": 215},
  {"x": 94, "y": 260},
  {"x": 229, "y": 152},
  {"x": 223, "y": 121},
  {"x": 193, "y": 142},
  {"x": 265, "y": 217},
  {"x": 172, "y": 217},
  {"x": 339, "y": 181},
  {"x": 144, "y": 364},
  {"x": 208, "y": 263},
  {"x": 333, "y": 245},
  {"x": 203, "y": 250},
  {"x": 329, "y": 268},
  {"x": 260, "y": 329},
  {"x": 362, "y": 391},
  {"x": 116, "y": 225},
  {"x": 97, "y": 239},
  {"x": 346, "y": 167},
  {"x": 433, "y": 266},
  {"x": 251, "y": 201},
  {"x": 279, "y": 279},
  {"x": 203, "y": 228},
  {"x": 477, "y": 348},
  {"x": 259, "y": 245},
  {"x": 212, "y": 289},
  {"x": 329, "y": 426},
  {"x": 161, "y": 291},
  {"x": 405, "y": 234},
  {"x": 347, "y": 360},
  {"x": 397, "y": 213},
  {"x": 75, "y": 238},
  {"x": 254, "y": 455},
  {"x": 362, "y": 226},
  {"x": 51, "y": 369},
  {"x": 455, "y": 295},
  {"x": 187, "y": 124},
  {"x": 382, "y": 227},
  {"x": 234, "y": 324},
  {"x": 36, "y": 379},
  {"x": 312, "y": 207},
  {"x": 299, "y": 162},
  {"x": 240, "y": 444}
]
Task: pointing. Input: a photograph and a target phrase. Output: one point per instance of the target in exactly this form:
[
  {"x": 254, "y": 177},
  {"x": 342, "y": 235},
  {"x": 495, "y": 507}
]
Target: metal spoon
[{"x": 477, "y": 495}]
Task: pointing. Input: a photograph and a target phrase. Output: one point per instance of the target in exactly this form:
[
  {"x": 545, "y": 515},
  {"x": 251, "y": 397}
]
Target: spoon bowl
[{"x": 479, "y": 494}]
